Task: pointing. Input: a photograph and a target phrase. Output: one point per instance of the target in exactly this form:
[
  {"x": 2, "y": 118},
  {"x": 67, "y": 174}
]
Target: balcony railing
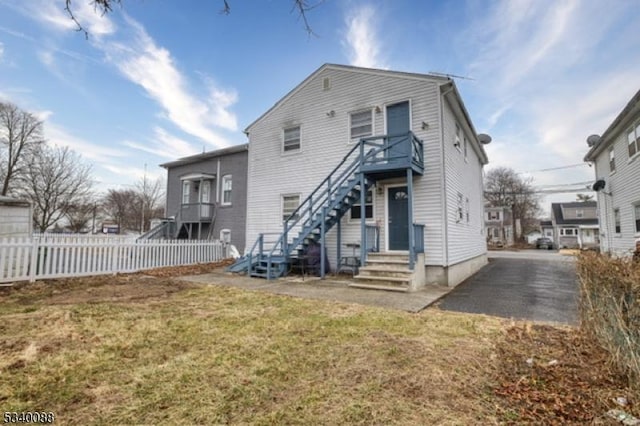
[{"x": 196, "y": 212}]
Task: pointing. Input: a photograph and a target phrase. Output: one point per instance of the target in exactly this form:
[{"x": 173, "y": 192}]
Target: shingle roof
[
  {"x": 556, "y": 208},
  {"x": 206, "y": 155}
]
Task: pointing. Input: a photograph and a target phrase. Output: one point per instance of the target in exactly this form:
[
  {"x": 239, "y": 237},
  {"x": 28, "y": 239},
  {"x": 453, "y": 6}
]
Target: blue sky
[{"x": 160, "y": 80}]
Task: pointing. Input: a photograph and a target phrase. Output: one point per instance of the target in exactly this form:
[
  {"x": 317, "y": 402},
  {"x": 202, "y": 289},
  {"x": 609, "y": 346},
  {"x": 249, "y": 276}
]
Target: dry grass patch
[
  {"x": 218, "y": 355},
  {"x": 222, "y": 355}
]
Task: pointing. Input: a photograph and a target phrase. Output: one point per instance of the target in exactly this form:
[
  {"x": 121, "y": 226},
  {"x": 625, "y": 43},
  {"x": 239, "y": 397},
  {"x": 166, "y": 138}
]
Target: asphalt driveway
[{"x": 532, "y": 285}]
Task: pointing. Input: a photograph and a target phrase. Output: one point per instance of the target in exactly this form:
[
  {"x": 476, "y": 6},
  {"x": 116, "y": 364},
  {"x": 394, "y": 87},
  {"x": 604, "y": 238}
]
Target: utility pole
[{"x": 142, "y": 197}]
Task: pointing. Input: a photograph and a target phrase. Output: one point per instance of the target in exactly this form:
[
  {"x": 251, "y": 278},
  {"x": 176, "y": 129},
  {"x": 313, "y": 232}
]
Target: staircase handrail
[{"x": 306, "y": 208}]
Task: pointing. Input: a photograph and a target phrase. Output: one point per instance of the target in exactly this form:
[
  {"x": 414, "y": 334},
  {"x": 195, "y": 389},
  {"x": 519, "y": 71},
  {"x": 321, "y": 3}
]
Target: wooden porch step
[{"x": 402, "y": 289}]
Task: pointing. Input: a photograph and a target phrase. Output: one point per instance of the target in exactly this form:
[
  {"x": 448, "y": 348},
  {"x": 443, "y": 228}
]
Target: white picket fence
[{"x": 61, "y": 256}]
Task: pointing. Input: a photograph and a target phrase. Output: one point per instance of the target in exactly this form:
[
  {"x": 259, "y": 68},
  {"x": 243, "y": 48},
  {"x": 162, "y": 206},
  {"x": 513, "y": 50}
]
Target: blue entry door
[
  {"x": 398, "y": 217},
  {"x": 398, "y": 122}
]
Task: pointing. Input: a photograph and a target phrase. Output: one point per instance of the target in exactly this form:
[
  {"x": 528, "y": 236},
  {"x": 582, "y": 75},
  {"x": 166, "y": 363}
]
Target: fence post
[{"x": 33, "y": 267}]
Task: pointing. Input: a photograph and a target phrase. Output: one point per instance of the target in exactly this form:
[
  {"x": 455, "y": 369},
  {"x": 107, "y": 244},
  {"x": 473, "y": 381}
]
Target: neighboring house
[
  {"x": 575, "y": 224},
  {"x": 207, "y": 195},
  {"x": 533, "y": 236},
  {"x": 546, "y": 228},
  {"x": 498, "y": 225},
  {"x": 15, "y": 218},
  {"x": 382, "y": 164},
  {"x": 616, "y": 156}
]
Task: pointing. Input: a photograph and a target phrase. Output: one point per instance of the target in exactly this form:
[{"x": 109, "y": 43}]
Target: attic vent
[{"x": 325, "y": 83}]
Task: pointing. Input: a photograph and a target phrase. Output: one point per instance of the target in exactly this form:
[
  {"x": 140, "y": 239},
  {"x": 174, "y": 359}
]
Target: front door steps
[{"x": 390, "y": 271}]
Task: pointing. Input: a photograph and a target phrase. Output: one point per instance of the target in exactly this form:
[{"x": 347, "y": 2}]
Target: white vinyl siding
[
  {"x": 291, "y": 139},
  {"x": 361, "y": 124},
  {"x": 271, "y": 173}
]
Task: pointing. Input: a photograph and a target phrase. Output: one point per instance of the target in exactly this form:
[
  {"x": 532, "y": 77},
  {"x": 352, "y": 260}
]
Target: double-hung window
[
  {"x": 458, "y": 140},
  {"x": 291, "y": 141},
  {"x": 612, "y": 160},
  {"x": 356, "y": 210},
  {"x": 616, "y": 220},
  {"x": 636, "y": 210},
  {"x": 186, "y": 187},
  {"x": 361, "y": 124},
  {"x": 633, "y": 140},
  {"x": 289, "y": 205},
  {"x": 226, "y": 189}
]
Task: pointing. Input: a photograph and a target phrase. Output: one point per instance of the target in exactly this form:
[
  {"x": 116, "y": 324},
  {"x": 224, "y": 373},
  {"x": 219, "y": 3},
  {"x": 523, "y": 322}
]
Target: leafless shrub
[{"x": 610, "y": 308}]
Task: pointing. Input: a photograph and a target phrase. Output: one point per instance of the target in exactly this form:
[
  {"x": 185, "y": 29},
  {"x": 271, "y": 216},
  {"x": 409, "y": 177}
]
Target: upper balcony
[
  {"x": 197, "y": 212},
  {"x": 391, "y": 155}
]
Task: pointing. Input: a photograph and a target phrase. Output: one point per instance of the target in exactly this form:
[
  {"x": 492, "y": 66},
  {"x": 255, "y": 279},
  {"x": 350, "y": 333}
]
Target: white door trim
[{"x": 386, "y": 216}]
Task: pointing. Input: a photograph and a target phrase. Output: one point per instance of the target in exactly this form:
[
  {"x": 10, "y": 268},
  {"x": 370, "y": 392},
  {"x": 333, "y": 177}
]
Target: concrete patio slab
[{"x": 333, "y": 288}]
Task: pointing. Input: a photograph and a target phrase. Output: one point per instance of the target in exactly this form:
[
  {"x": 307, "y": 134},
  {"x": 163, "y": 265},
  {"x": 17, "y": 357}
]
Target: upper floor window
[
  {"x": 460, "y": 210},
  {"x": 466, "y": 209},
  {"x": 464, "y": 140},
  {"x": 186, "y": 187},
  {"x": 612, "y": 160},
  {"x": 616, "y": 220},
  {"x": 356, "y": 210},
  {"x": 493, "y": 215},
  {"x": 226, "y": 189},
  {"x": 289, "y": 205},
  {"x": 291, "y": 139},
  {"x": 361, "y": 124},
  {"x": 636, "y": 209},
  {"x": 458, "y": 140},
  {"x": 633, "y": 140},
  {"x": 579, "y": 214}
]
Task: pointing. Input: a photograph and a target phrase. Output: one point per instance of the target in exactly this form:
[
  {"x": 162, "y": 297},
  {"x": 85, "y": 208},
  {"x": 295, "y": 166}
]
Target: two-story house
[
  {"x": 207, "y": 196},
  {"x": 498, "y": 225},
  {"x": 383, "y": 165},
  {"x": 575, "y": 224},
  {"x": 616, "y": 156}
]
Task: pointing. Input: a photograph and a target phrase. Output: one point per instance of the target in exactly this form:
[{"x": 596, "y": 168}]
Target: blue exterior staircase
[{"x": 369, "y": 160}]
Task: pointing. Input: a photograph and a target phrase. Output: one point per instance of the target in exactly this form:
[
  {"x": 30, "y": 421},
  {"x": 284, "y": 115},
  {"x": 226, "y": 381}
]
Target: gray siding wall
[
  {"x": 324, "y": 142},
  {"x": 624, "y": 186},
  {"x": 588, "y": 213},
  {"x": 231, "y": 217}
]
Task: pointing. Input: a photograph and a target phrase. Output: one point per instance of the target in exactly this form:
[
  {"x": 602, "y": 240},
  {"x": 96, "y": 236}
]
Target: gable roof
[
  {"x": 609, "y": 135},
  {"x": 556, "y": 209},
  {"x": 447, "y": 88},
  {"x": 206, "y": 156}
]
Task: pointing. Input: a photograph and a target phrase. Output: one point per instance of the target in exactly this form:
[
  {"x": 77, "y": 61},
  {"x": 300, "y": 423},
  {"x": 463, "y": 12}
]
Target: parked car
[{"x": 544, "y": 243}]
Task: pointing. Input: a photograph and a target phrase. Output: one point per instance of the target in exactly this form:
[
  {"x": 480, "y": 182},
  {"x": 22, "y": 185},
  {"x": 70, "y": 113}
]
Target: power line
[{"x": 568, "y": 166}]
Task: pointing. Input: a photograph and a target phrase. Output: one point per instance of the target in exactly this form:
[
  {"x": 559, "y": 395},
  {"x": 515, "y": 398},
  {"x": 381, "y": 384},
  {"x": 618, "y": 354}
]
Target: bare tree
[
  {"x": 151, "y": 195},
  {"x": 301, "y": 7},
  {"x": 20, "y": 138},
  {"x": 80, "y": 214},
  {"x": 583, "y": 197},
  {"x": 56, "y": 179},
  {"x": 121, "y": 206},
  {"x": 505, "y": 188}
]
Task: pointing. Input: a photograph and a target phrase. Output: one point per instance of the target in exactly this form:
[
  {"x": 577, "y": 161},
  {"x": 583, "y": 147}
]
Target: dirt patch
[
  {"x": 550, "y": 375},
  {"x": 141, "y": 286}
]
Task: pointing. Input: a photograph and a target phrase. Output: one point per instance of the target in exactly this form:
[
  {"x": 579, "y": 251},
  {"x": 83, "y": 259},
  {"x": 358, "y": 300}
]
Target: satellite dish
[
  {"x": 593, "y": 139},
  {"x": 599, "y": 185},
  {"x": 484, "y": 138}
]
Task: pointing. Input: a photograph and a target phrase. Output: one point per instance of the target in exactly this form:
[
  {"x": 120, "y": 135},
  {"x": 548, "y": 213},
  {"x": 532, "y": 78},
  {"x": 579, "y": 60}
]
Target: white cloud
[
  {"x": 57, "y": 135},
  {"x": 153, "y": 68},
  {"x": 164, "y": 145},
  {"x": 363, "y": 47}
]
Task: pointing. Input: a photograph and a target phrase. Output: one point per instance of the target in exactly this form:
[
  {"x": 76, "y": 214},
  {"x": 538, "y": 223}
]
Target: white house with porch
[{"x": 383, "y": 166}]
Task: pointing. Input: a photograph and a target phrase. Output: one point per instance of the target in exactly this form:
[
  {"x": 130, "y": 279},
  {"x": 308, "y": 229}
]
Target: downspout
[
  {"x": 443, "y": 192},
  {"x": 218, "y": 182}
]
